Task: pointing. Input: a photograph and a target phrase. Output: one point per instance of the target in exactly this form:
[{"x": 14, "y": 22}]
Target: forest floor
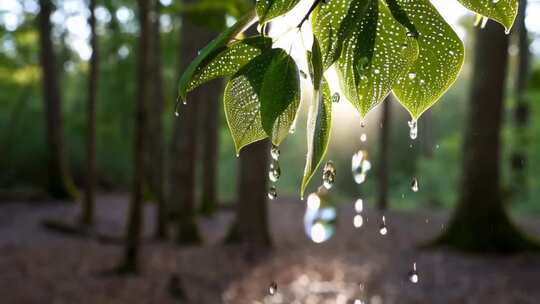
[{"x": 40, "y": 266}]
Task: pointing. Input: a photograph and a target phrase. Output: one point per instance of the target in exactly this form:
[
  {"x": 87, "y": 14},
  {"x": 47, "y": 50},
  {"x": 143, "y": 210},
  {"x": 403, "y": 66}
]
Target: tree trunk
[
  {"x": 155, "y": 137},
  {"x": 135, "y": 216},
  {"x": 522, "y": 109},
  {"x": 184, "y": 144},
  {"x": 210, "y": 147},
  {"x": 59, "y": 184},
  {"x": 87, "y": 217},
  {"x": 384, "y": 157},
  {"x": 480, "y": 222},
  {"x": 251, "y": 223}
]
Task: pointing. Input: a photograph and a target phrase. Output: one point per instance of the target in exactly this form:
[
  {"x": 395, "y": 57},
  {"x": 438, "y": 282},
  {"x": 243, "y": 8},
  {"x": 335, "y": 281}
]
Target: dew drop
[
  {"x": 336, "y": 97},
  {"x": 376, "y": 71},
  {"x": 363, "y": 137},
  {"x": 272, "y": 193},
  {"x": 275, "y": 171},
  {"x": 272, "y": 288},
  {"x": 413, "y": 275},
  {"x": 495, "y": 1},
  {"x": 274, "y": 152},
  {"x": 358, "y": 221},
  {"x": 359, "y": 205},
  {"x": 414, "y": 185},
  {"x": 329, "y": 175},
  {"x": 412, "y": 75},
  {"x": 383, "y": 230},
  {"x": 413, "y": 125}
]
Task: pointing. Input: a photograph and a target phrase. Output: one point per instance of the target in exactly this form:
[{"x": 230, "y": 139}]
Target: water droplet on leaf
[{"x": 412, "y": 76}]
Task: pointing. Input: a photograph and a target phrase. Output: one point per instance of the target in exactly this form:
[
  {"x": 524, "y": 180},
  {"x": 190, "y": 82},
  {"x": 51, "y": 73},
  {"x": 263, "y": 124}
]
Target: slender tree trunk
[
  {"x": 87, "y": 217},
  {"x": 135, "y": 216},
  {"x": 60, "y": 184},
  {"x": 210, "y": 147},
  {"x": 184, "y": 145},
  {"x": 156, "y": 141},
  {"x": 522, "y": 109},
  {"x": 251, "y": 223},
  {"x": 384, "y": 151},
  {"x": 480, "y": 222}
]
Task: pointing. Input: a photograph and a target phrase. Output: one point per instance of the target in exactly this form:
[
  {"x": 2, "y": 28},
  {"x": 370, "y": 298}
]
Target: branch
[{"x": 311, "y": 9}]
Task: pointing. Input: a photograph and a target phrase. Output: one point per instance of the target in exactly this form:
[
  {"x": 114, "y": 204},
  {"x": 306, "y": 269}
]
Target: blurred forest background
[{"x": 87, "y": 103}]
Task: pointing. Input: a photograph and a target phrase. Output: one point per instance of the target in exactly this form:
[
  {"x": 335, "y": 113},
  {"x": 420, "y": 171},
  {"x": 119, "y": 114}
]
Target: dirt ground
[{"x": 38, "y": 266}]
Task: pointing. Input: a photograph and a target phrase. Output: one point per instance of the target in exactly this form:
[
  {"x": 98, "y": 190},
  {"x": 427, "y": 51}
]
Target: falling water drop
[
  {"x": 413, "y": 275},
  {"x": 358, "y": 221},
  {"x": 383, "y": 230},
  {"x": 413, "y": 125},
  {"x": 360, "y": 165},
  {"x": 275, "y": 171},
  {"x": 320, "y": 217},
  {"x": 363, "y": 137},
  {"x": 274, "y": 152},
  {"x": 336, "y": 97},
  {"x": 359, "y": 205},
  {"x": 272, "y": 193},
  {"x": 414, "y": 185},
  {"x": 363, "y": 124},
  {"x": 177, "y": 107},
  {"x": 272, "y": 288},
  {"x": 329, "y": 175}
]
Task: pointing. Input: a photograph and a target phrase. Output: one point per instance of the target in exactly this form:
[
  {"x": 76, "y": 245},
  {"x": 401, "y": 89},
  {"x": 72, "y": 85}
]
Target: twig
[{"x": 311, "y": 9}]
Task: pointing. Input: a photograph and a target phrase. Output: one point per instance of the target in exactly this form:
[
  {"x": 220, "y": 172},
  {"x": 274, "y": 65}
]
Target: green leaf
[
  {"x": 401, "y": 16},
  {"x": 374, "y": 57},
  {"x": 270, "y": 9},
  {"x": 230, "y": 60},
  {"x": 213, "y": 49},
  {"x": 333, "y": 23},
  {"x": 280, "y": 89},
  {"x": 502, "y": 11},
  {"x": 439, "y": 62},
  {"x": 319, "y": 124},
  {"x": 319, "y": 116},
  {"x": 249, "y": 89}
]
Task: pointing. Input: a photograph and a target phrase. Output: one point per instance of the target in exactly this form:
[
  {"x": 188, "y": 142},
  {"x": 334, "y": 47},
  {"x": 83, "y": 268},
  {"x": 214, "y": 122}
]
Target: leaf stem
[{"x": 311, "y": 9}]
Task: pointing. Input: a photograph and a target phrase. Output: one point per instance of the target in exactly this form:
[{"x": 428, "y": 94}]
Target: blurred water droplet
[
  {"x": 413, "y": 125},
  {"x": 363, "y": 137},
  {"x": 413, "y": 275},
  {"x": 358, "y": 301},
  {"x": 360, "y": 166},
  {"x": 272, "y": 288},
  {"x": 358, "y": 221},
  {"x": 336, "y": 97},
  {"x": 274, "y": 152},
  {"x": 329, "y": 175},
  {"x": 383, "y": 230},
  {"x": 359, "y": 205},
  {"x": 272, "y": 193},
  {"x": 414, "y": 185},
  {"x": 320, "y": 218},
  {"x": 275, "y": 171}
]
